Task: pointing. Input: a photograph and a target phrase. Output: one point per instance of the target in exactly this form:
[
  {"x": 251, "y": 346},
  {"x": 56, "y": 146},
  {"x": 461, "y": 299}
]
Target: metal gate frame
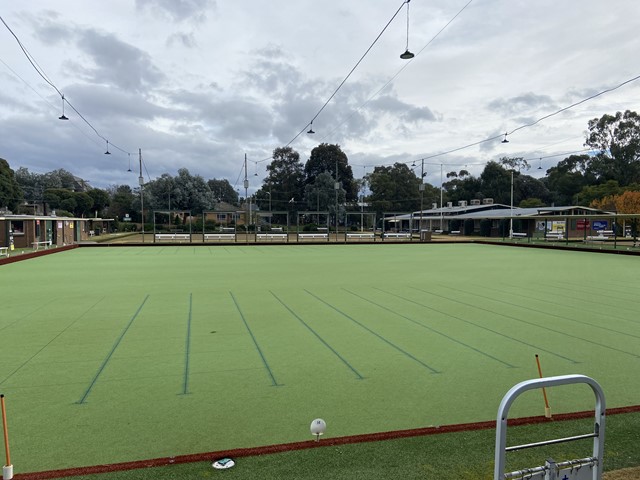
[{"x": 597, "y": 435}]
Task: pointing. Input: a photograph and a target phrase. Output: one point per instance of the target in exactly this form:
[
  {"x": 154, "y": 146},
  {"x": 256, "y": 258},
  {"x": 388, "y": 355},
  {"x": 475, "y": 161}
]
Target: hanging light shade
[
  {"x": 129, "y": 163},
  {"x": 407, "y": 55},
  {"x": 107, "y": 152},
  {"x": 540, "y": 165},
  {"x": 311, "y": 128},
  {"x": 63, "y": 116},
  {"x": 505, "y": 138}
]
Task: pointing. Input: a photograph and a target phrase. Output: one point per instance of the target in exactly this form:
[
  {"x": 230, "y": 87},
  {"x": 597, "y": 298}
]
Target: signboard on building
[
  {"x": 600, "y": 224},
  {"x": 583, "y": 224}
]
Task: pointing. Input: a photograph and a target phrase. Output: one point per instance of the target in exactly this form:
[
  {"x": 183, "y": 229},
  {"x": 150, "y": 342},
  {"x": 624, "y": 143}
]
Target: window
[{"x": 17, "y": 227}]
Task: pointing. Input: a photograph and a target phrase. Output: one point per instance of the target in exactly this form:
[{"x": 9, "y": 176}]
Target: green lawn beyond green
[{"x": 111, "y": 354}]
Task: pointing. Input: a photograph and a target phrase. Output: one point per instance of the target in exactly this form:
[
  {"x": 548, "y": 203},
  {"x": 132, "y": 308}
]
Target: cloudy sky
[{"x": 198, "y": 84}]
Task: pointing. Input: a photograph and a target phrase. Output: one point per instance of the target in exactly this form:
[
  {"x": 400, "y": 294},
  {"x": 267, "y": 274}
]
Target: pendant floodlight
[
  {"x": 129, "y": 163},
  {"x": 63, "y": 116},
  {"x": 407, "y": 55},
  {"x": 107, "y": 152},
  {"x": 318, "y": 427},
  {"x": 311, "y": 128},
  {"x": 505, "y": 138},
  {"x": 413, "y": 164},
  {"x": 540, "y": 166}
]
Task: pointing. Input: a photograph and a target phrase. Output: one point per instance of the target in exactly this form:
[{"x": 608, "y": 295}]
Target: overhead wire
[
  {"x": 574, "y": 104},
  {"x": 90, "y": 138},
  {"x": 469, "y": 145},
  {"x": 46, "y": 78},
  {"x": 397, "y": 74},
  {"x": 349, "y": 74}
]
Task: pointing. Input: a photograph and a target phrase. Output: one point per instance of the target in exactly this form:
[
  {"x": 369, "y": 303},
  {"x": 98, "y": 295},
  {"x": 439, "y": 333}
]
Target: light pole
[
  {"x": 511, "y": 211},
  {"x": 141, "y": 183},
  {"x": 421, "y": 194},
  {"x": 441, "y": 187},
  {"x": 336, "y": 187},
  {"x": 247, "y": 217}
]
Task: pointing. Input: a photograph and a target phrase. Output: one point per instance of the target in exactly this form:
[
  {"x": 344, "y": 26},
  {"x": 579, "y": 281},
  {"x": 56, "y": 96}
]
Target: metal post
[
  {"x": 336, "y": 188},
  {"x": 141, "y": 183},
  {"x": 247, "y": 218},
  {"x": 421, "y": 196},
  {"x": 511, "y": 212},
  {"x": 441, "y": 212}
]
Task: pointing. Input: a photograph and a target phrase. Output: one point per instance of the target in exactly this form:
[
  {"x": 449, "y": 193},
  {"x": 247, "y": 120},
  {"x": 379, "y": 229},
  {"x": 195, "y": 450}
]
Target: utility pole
[
  {"x": 246, "y": 198},
  {"x": 441, "y": 187},
  {"x": 511, "y": 213},
  {"x": 421, "y": 195},
  {"x": 141, "y": 183},
  {"x": 336, "y": 187}
]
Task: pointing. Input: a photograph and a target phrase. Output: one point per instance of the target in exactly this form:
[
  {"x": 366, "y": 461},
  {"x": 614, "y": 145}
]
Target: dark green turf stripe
[
  {"x": 477, "y": 325},
  {"x": 432, "y": 329},
  {"x": 29, "y": 314},
  {"x": 113, "y": 349},
  {"x": 349, "y": 366},
  {"x": 50, "y": 341},
  {"x": 533, "y": 324},
  {"x": 187, "y": 349},
  {"x": 388, "y": 342},
  {"x": 255, "y": 342},
  {"x": 550, "y": 314},
  {"x": 583, "y": 301}
]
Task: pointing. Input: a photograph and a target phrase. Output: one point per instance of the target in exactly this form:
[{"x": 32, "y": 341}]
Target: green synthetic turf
[
  {"x": 453, "y": 456},
  {"x": 127, "y": 353}
]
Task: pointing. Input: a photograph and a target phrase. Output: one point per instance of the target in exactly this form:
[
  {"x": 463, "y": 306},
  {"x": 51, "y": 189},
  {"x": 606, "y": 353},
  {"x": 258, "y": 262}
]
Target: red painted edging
[
  {"x": 287, "y": 447},
  {"x": 40, "y": 253}
]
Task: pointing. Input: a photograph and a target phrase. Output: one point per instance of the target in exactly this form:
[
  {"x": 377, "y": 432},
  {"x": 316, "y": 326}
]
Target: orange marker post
[
  {"x": 547, "y": 409},
  {"x": 7, "y": 470}
]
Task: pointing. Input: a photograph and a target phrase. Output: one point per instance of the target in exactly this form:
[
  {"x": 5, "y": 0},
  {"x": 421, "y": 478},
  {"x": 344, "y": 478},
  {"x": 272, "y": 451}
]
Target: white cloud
[{"x": 199, "y": 83}]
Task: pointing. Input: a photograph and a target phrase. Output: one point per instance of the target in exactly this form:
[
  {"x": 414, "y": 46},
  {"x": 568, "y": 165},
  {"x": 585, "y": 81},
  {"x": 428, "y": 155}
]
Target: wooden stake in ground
[
  {"x": 547, "y": 409},
  {"x": 7, "y": 470}
]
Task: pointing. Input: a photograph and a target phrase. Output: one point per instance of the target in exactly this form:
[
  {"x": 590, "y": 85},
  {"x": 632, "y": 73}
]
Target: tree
[
  {"x": 462, "y": 186},
  {"x": 326, "y": 158},
  {"x": 530, "y": 191},
  {"x": 160, "y": 194},
  {"x": 192, "y": 192},
  {"x": 10, "y": 192},
  {"x": 626, "y": 202},
  {"x": 284, "y": 185},
  {"x": 183, "y": 192},
  {"x": 617, "y": 137},
  {"x": 32, "y": 184},
  {"x": 121, "y": 202},
  {"x": 321, "y": 195},
  {"x": 100, "y": 199},
  {"x": 59, "y": 178},
  {"x": 76, "y": 203},
  {"x": 514, "y": 163},
  {"x": 223, "y": 191},
  {"x": 496, "y": 183},
  {"x": 394, "y": 189},
  {"x": 590, "y": 193},
  {"x": 567, "y": 178},
  {"x": 84, "y": 203}
]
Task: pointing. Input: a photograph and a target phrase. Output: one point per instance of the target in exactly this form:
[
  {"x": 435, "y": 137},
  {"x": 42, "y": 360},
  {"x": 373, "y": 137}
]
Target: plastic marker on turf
[
  {"x": 223, "y": 463},
  {"x": 318, "y": 427}
]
